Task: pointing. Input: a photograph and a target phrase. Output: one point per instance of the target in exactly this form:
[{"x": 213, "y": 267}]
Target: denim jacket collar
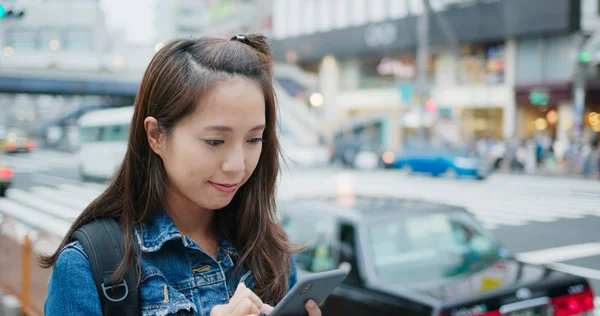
[{"x": 153, "y": 233}]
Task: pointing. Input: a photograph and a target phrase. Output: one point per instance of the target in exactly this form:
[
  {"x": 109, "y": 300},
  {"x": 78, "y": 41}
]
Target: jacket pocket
[{"x": 158, "y": 298}]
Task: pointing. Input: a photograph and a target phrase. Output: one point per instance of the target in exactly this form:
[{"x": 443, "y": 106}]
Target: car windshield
[{"x": 429, "y": 247}]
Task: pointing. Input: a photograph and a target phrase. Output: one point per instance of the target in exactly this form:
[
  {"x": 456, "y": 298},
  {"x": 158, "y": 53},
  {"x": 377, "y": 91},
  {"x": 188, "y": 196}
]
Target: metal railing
[{"x": 25, "y": 233}]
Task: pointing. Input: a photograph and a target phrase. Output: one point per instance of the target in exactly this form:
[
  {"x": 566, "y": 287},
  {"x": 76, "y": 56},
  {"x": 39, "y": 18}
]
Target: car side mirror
[{"x": 345, "y": 266}]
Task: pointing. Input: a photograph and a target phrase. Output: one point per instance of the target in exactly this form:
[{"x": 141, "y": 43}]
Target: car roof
[
  {"x": 112, "y": 116},
  {"x": 360, "y": 208}
]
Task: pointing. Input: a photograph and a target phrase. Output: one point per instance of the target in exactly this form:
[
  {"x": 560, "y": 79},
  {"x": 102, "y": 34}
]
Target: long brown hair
[{"x": 178, "y": 75}]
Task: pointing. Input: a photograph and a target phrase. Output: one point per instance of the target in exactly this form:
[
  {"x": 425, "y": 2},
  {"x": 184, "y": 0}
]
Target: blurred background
[{"x": 493, "y": 105}]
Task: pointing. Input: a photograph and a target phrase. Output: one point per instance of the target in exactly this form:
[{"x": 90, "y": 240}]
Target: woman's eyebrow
[{"x": 221, "y": 128}]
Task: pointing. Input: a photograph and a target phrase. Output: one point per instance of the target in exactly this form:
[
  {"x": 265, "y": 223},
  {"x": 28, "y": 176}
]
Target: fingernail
[{"x": 311, "y": 304}]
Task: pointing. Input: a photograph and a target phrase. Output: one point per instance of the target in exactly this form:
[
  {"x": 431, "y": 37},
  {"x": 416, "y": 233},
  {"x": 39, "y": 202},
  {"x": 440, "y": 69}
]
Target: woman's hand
[
  {"x": 311, "y": 307},
  {"x": 244, "y": 302}
]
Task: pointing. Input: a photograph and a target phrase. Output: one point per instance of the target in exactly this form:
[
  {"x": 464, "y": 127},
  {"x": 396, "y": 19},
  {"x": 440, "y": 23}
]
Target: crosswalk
[
  {"x": 47, "y": 209},
  {"x": 496, "y": 202},
  {"x": 501, "y": 200},
  {"x": 39, "y": 160}
]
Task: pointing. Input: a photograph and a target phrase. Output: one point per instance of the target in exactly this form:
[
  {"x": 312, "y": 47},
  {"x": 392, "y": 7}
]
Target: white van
[{"x": 103, "y": 141}]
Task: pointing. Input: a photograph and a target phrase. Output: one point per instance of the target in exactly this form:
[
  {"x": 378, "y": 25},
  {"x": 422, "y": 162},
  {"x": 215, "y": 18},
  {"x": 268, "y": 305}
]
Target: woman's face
[{"x": 212, "y": 153}]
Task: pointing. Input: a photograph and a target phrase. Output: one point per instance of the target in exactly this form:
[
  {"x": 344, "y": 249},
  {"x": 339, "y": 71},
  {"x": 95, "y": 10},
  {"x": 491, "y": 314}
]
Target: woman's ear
[{"x": 156, "y": 137}]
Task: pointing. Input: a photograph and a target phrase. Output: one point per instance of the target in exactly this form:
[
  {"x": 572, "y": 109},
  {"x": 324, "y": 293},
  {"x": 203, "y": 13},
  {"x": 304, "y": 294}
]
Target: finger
[
  {"x": 253, "y": 297},
  {"x": 241, "y": 286},
  {"x": 312, "y": 308},
  {"x": 238, "y": 295},
  {"x": 217, "y": 310},
  {"x": 245, "y": 307},
  {"x": 266, "y": 309},
  {"x": 243, "y": 292}
]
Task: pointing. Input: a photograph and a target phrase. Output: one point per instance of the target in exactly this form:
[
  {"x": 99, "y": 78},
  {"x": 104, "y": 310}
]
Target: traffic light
[
  {"x": 6, "y": 13},
  {"x": 584, "y": 57}
]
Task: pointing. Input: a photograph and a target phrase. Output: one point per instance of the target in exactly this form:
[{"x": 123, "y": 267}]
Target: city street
[
  {"x": 408, "y": 99},
  {"x": 540, "y": 219}
]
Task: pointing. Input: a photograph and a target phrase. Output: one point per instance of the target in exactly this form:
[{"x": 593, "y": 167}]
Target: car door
[{"x": 352, "y": 297}]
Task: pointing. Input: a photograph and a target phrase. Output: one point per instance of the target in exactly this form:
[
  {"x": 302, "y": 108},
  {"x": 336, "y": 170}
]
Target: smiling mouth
[{"x": 228, "y": 188}]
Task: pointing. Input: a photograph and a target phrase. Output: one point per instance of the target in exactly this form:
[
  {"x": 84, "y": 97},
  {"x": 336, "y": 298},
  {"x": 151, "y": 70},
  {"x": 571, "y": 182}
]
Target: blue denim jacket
[{"x": 178, "y": 277}]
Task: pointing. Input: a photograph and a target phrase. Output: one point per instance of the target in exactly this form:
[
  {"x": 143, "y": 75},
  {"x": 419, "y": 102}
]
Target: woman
[{"x": 196, "y": 191}]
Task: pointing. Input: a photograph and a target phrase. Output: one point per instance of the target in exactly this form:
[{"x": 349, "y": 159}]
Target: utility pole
[
  {"x": 579, "y": 85},
  {"x": 422, "y": 63}
]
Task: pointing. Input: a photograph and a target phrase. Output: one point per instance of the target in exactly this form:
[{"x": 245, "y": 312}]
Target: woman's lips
[{"x": 228, "y": 188}]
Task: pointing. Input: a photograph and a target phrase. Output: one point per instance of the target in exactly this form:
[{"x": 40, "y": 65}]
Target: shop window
[
  {"x": 487, "y": 123},
  {"x": 481, "y": 64},
  {"x": 387, "y": 71},
  {"x": 21, "y": 39},
  {"x": 80, "y": 40}
]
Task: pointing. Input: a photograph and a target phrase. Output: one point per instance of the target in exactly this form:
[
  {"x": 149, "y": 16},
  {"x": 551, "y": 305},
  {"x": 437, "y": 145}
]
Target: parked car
[
  {"x": 356, "y": 153},
  {"x": 418, "y": 258},
  {"x": 437, "y": 161},
  {"x": 345, "y": 151},
  {"x": 6, "y": 177},
  {"x": 18, "y": 141}
]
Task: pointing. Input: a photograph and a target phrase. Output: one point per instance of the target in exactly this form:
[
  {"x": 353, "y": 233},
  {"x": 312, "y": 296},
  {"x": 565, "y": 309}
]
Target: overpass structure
[
  {"x": 56, "y": 82},
  {"x": 108, "y": 87}
]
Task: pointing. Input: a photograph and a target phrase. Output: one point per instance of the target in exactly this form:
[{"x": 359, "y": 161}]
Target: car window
[
  {"x": 429, "y": 247},
  {"x": 91, "y": 134},
  {"x": 319, "y": 237},
  {"x": 116, "y": 133},
  {"x": 348, "y": 252}
]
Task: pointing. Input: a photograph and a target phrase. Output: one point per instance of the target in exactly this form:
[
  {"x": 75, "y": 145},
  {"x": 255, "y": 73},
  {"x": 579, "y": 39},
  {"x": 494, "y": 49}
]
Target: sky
[{"x": 136, "y": 17}]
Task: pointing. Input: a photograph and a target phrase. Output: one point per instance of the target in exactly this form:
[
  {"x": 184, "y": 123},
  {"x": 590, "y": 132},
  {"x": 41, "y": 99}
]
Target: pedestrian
[{"x": 195, "y": 194}]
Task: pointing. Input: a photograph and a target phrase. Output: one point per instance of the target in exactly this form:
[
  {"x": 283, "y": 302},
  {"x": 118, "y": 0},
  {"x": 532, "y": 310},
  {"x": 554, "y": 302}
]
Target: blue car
[{"x": 437, "y": 161}]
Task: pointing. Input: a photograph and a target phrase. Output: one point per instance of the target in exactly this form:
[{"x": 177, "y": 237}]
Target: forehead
[{"x": 237, "y": 101}]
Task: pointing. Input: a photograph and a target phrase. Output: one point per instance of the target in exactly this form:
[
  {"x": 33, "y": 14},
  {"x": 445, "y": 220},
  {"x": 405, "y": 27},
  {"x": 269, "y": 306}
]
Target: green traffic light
[
  {"x": 2, "y": 11},
  {"x": 584, "y": 57}
]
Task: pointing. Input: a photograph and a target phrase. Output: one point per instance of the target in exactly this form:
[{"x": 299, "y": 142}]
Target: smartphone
[{"x": 315, "y": 286}]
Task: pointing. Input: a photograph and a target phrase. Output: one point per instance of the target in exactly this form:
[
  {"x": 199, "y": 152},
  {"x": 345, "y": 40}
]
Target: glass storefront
[
  {"x": 539, "y": 119},
  {"x": 378, "y": 71},
  {"x": 481, "y": 122},
  {"x": 481, "y": 63}
]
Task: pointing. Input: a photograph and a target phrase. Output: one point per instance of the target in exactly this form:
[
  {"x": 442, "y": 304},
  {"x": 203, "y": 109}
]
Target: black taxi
[{"x": 411, "y": 257}]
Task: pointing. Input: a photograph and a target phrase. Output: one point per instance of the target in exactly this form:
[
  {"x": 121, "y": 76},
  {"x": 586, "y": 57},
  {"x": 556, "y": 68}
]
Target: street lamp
[{"x": 316, "y": 99}]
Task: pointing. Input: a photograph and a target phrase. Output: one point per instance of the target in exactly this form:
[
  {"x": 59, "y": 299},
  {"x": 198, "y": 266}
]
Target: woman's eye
[
  {"x": 256, "y": 140},
  {"x": 214, "y": 142}
]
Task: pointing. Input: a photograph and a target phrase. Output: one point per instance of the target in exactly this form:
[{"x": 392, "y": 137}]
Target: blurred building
[
  {"x": 488, "y": 59},
  {"x": 226, "y": 18},
  {"x": 220, "y": 18},
  {"x": 62, "y": 34},
  {"x": 58, "y": 57},
  {"x": 179, "y": 18}
]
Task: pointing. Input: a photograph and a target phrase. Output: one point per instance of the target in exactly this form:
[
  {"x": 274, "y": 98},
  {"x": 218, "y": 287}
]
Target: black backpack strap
[{"x": 102, "y": 241}]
